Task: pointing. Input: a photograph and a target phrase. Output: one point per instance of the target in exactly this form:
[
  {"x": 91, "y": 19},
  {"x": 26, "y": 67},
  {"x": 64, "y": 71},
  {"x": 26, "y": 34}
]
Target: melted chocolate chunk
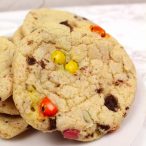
[
  {"x": 67, "y": 24},
  {"x": 100, "y": 90},
  {"x": 52, "y": 123},
  {"x": 31, "y": 60},
  {"x": 42, "y": 64},
  {"x": 103, "y": 127},
  {"x": 111, "y": 103}
]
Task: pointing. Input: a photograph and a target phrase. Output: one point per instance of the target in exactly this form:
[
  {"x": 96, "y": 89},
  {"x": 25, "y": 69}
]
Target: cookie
[
  {"x": 42, "y": 17},
  {"x": 10, "y": 126},
  {"x": 8, "y": 107},
  {"x": 6, "y": 55},
  {"x": 79, "y": 82}
]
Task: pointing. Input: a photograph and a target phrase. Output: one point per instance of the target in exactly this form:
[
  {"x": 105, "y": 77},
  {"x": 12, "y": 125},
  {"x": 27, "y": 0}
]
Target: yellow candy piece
[
  {"x": 71, "y": 66},
  {"x": 58, "y": 57}
]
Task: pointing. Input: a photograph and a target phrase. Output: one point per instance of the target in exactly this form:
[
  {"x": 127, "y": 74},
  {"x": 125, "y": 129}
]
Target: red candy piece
[{"x": 71, "y": 133}]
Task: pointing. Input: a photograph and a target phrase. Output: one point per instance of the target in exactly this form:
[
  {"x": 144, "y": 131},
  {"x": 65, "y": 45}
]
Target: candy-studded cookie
[
  {"x": 10, "y": 126},
  {"x": 79, "y": 82},
  {"x": 6, "y": 56}
]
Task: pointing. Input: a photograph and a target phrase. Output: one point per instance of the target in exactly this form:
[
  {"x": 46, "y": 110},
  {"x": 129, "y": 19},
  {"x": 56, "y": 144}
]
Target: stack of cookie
[
  {"x": 11, "y": 123},
  {"x": 67, "y": 74}
]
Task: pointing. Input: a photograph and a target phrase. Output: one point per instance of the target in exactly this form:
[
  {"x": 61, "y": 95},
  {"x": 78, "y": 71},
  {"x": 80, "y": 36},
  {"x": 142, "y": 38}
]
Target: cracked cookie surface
[{"x": 91, "y": 102}]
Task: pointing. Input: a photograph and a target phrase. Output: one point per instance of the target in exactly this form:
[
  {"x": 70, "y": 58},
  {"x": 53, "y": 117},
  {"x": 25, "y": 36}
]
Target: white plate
[{"x": 123, "y": 137}]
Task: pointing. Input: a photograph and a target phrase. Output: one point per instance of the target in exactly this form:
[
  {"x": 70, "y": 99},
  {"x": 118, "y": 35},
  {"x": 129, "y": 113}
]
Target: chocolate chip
[
  {"x": 42, "y": 64},
  {"x": 111, "y": 103},
  {"x": 30, "y": 42},
  {"x": 67, "y": 24},
  {"x": 100, "y": 90},
  {"x": 31, "y": 60},
  {"x": 42, "y": 108},
  {"x": 89, "y": 135},
  {"x": 103, "y": 127},
  {"x": 127, "y": 108},
  {"x": 52, "y": 123},
  {"x": 84, "y": 18},
  {"x": 32, "y": 109},
  {"x": 80, "y": 18},
  {"x": 118, "y": 82},
  {"x": 58, "y": 85}
]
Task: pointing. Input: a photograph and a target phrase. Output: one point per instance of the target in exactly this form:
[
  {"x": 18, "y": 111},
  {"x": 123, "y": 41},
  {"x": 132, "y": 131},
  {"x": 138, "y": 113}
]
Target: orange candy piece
[
  {"x": 48, "y": 108},
  {"x": 99, "y": 30}
]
